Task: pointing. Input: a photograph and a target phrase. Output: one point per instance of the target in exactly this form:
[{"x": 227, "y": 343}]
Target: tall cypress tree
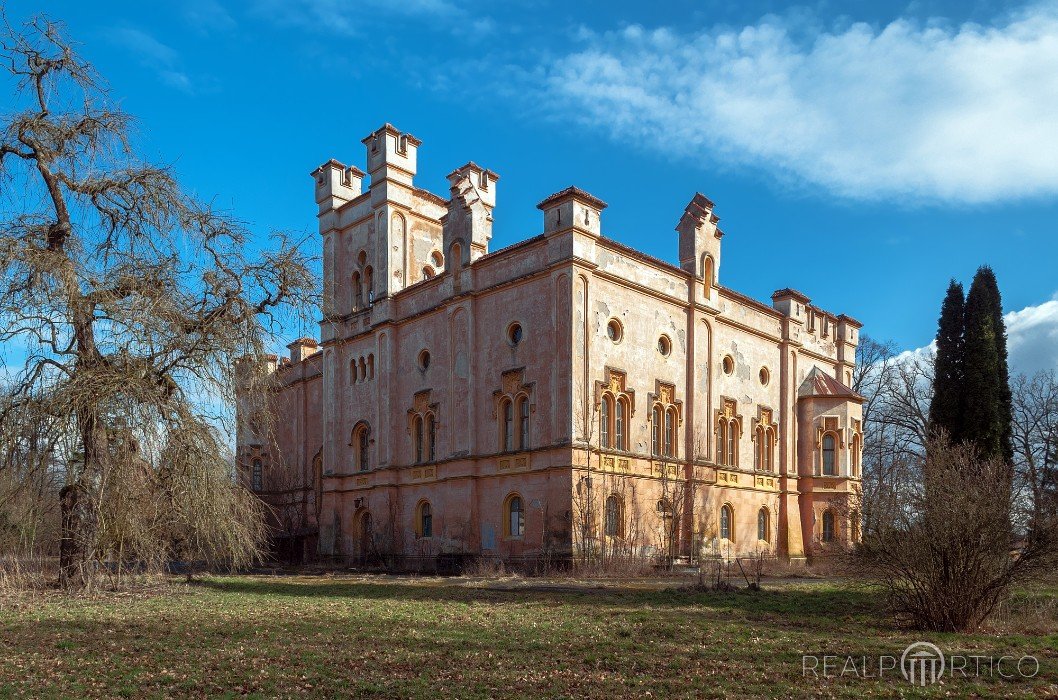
[
  {"x": 946, "y": 408},
  {"x": 987, "y": 412}
]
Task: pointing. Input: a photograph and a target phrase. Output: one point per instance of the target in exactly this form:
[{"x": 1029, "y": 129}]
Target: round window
[
  {"x": 729, "y": 364},
  {"x": 664, "y": 345},
  {"x": 614, "y": 330},
  {"x": 424, "y": 360},
  {"x": 514, "y": 333},
  {"x": 765, "y": 376}
]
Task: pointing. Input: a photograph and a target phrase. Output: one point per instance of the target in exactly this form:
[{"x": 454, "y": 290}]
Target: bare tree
[
  {"x": 1035, "y": 438},
  {"x": 132, "y": 301},
  {"x": 949, "y": 553},
  {"x": 897, "y": 390}
]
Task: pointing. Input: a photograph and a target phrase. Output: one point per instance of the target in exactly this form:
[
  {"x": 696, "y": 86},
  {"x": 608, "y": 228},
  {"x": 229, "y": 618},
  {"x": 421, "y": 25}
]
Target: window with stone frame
[
  {"x": 424, "y": 519},
  {"x": 361, "y": 444},
  {"x": 666, "y": 417},
  {"x": 513, "y": 408},
  {"x": 616, "y": 405},
  {"x": 728, "y": 431},
  {"x": 423, "y": 424},
  {"x": 727, "y": 523},
  {"x": 765, "y": 439},
  {"x": 829, "y": 443},
  {"x": 514, "y": 512}
]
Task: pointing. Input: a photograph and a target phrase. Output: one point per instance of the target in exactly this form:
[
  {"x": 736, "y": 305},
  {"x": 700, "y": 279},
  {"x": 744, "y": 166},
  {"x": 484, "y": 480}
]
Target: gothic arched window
[{"x": 727, "y": 520}]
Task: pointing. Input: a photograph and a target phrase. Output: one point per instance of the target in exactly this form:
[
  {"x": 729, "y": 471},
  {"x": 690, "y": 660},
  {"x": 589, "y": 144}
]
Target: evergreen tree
[
  {"x": 946, "y": 408},
  {"x": 987, "y": 410}
]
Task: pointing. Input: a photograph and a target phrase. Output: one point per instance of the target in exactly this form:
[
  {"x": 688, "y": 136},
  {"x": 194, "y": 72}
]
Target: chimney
[
  {"x": 572, "y": 208},
  {"x": 302, "y": 348}
]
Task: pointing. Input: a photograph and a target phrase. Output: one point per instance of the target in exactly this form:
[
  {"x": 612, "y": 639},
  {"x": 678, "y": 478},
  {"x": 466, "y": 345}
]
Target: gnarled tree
[{"x": 124, "y": 303}]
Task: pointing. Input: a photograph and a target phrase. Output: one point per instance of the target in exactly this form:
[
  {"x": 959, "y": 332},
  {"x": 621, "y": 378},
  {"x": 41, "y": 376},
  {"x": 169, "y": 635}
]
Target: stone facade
[{"x": 562, "y": 395}]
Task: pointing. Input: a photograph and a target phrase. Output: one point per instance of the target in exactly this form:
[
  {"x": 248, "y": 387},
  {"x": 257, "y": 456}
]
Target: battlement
[{"x": 391, "y": 154}]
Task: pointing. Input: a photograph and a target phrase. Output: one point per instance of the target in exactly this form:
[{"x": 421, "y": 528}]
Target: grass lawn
[{"x": 406, "y": 637}]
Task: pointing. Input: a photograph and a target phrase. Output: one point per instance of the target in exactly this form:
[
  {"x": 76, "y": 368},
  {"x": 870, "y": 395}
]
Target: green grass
[{"x": 429, "y": 638}]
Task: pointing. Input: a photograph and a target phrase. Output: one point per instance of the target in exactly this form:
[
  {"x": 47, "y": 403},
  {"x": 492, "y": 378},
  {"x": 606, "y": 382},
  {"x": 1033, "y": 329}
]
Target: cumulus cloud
[
  {"x": 911, "y": 110},
  {"x": 1032, "y": 338},
  {"x": 153, "y": 54}
]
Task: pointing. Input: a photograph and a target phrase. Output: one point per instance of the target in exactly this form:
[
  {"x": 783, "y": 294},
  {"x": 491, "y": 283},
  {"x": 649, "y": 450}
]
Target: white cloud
[
  {"x": 159, "y": 57},
  {"x": 1032, "y": 338},
  {"x": 349, "y": 18},
  {"x": 919, "y": 111}
]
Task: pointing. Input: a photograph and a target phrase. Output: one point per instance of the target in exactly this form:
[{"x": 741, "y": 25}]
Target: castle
[{"x": 563, "y": 396}]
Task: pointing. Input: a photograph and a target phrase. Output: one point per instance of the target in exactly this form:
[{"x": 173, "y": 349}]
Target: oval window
[
  {"x": 514, "y": 333},
  {"x": 664, "y": 345}
]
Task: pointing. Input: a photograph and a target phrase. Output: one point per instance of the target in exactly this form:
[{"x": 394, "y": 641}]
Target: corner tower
[{"x": 392, "y": 160}]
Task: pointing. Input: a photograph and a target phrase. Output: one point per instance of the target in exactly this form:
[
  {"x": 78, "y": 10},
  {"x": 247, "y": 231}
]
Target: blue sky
[{"x": 862, "y": 152}]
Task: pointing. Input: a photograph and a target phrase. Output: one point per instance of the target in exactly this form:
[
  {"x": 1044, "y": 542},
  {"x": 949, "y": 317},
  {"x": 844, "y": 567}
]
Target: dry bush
[
  {"x": 948, "y": 553},
  {"x": 486, "y": 567}
]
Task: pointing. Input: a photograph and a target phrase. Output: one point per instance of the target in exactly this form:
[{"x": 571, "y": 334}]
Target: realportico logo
[{"x": 921, "y": 664}]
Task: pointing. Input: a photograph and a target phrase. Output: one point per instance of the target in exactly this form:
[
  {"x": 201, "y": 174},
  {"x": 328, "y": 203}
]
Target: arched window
[
  {"x": 369, "y": 284},
  {"x": 855, "y": 455},
  {"x": 361, "y": 442},
  {"x": 765, "y": 448},
  {"x": 353, "y": 375},
  {"x": 763, "y": 527},
  {"x": 707, "y": 274},
  {"x": 257, "y": 477},
  {"x": 829, "y": 467},
  {"x": 670, "y": 432},
  {"x": 431, "y": 437},
  {"x": 358, "y": 292},
  {"x": 515, "y": 525},
  {"x": 508, "y": 425},
  {"x": 363, "y": 369},
  {"x": 828, "y": 526},
  {"x": 371, "y": 366},
  {"x": 418, "y": 439},
  {"x": 605, "y": 412},
  {"x": 721, "y": 442},
  {"x": 732, "y": 445},
  {"x": 613, "y": 516},
  {"x": 455, "y": 258},
  {"x": 656, "y": 439},
  {"x": 523, "y": 413},
  {"x": 424, "y": 520},
  {"x": 727, "y": 520},
  {"x": 619, "y": 424}
]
